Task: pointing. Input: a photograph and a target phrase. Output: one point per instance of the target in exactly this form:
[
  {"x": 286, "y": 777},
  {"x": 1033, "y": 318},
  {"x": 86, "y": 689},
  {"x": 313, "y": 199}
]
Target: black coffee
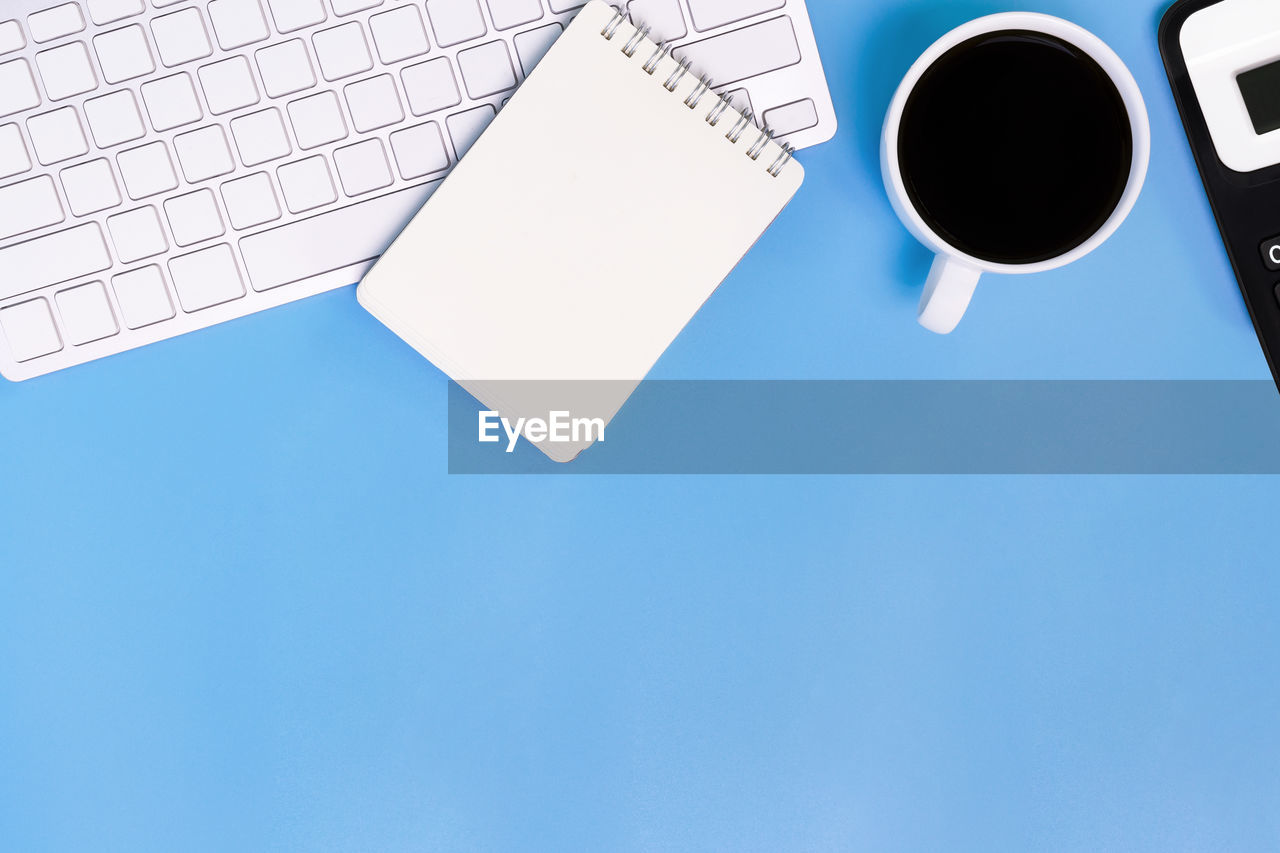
[{"x": 1015, "y": 147}]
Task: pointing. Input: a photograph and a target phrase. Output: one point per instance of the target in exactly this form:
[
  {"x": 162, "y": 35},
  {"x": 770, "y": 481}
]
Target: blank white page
[{"x": 582, "y": 231}]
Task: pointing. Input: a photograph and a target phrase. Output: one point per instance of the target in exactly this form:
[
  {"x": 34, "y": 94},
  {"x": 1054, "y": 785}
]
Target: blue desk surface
[{"x": 243, "y": 607}]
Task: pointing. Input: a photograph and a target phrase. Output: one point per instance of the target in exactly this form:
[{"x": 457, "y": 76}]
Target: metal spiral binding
[
  {"x": 765, "y": 137},
  {"x": 676, "y": 76},
  {"x": 695, "y": 97},
  {"x": 713, "y": 117},
  {"x": 743, "y": 122},
  {"x": 788, "y": 151},
  {"x": 662, "y": 52},
  {"x": 629, "y": 49},
  {"x": 723, "y": 103},
  {"x": 611, "y": 28}
]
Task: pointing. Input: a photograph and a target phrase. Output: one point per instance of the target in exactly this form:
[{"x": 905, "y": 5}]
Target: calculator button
[{"x": 1271, "y": 254}]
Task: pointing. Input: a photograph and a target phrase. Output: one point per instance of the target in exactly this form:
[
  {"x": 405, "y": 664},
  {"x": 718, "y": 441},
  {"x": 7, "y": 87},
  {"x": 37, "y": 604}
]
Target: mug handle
[{"x": 947, "y": 294}]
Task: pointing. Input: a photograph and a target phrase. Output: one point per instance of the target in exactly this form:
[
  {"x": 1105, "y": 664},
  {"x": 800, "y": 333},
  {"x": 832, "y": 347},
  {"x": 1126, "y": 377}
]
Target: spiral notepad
[{"x": 584, "y": 229}]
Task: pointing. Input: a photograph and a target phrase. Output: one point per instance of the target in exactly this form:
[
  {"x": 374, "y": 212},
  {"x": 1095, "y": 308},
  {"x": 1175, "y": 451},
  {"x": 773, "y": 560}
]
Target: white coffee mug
[{"x": 955, "y": 274}]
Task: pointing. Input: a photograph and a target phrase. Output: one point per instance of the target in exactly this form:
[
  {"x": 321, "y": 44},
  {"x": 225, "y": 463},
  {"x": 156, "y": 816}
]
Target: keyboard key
[
  {"x": 455, "y": 21},
  {"x": 86, "y": 313},
  {"x": 57, "y": 136},
  {"x": 110, "y": 11},
  {"x": 342, "y": 51},
  {"x": 363, "y": 167},
  {"x": 487, "y": 69},
  {"x": 790, "y": 118},
  {"x": 430, "y": 86},
  {"x": 293, "y": 15},
  {"x": 11, "y": 37},
  {"x": 142, "y": 297},
  {"x": 330, "y": 241},
  {"x": 114, "y": 119},
  {"x": 228, "y": 85},
  {"x": 317, "y": 120},
  {"x": 52, "y": 259},
  {"x": 203, "y": 153},
  {"x": 709, "y": 14},
  {"x": 250, "y": 201},
  {"x": 746, "y": 52},
  {"x": 285, "y": 68},
  {"x": 206, "y": 278},
  {"x": 137, "y": 234},
  {"x": 465, "y": 127},
  {"x": 17, "y": 88},
  {"x": 181, "y": 37},
  {"x": 349, "y": 7},
  {"x": 306, "y": 184},
  {"x": 399, "y": 34},
  {"x": 419, "y": 150},
  {"x": 90, "y": 187},
  {"x": 29, "y": 329},
  {"x": 55, "y": 23},
  {"x": 171, "y": 101},
  {"x": 512, "y": 13},
  {"x": 194, "y": 217},
  {"x": 664, "y": 18},
  {"x": 558, "y": 6},
  {"x": 28, "y": 205},
  {"x": 237, "y": 23},
  {"x": 66, "y": 71},
  {"x": 532, "y": 45},
  {"x": 13, "y": 153},
  {"x": 261, "y": 137},
  {"x": 123, "y": 54},
  {"x": 374, "y": 103},
  {"x": 146, "y": 170}
]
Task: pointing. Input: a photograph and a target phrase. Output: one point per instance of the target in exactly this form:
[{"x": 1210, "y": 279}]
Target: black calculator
[{"x": 1223, "y": 61}]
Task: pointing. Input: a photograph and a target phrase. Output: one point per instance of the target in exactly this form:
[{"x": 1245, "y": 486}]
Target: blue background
[{"x": 242, "y": 606}]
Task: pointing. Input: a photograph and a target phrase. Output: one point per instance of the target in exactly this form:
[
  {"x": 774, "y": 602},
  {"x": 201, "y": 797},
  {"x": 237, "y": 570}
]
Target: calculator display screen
[{"x": 1261, "y": 90}]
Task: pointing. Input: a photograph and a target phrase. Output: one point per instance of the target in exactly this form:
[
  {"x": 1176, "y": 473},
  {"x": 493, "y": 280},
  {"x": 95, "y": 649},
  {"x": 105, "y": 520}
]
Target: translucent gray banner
[{"x": 893, "y": 427}]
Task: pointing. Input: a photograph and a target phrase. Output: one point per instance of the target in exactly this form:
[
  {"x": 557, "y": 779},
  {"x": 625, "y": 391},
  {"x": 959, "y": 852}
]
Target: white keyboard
[{"x": 171, "y": 165}]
